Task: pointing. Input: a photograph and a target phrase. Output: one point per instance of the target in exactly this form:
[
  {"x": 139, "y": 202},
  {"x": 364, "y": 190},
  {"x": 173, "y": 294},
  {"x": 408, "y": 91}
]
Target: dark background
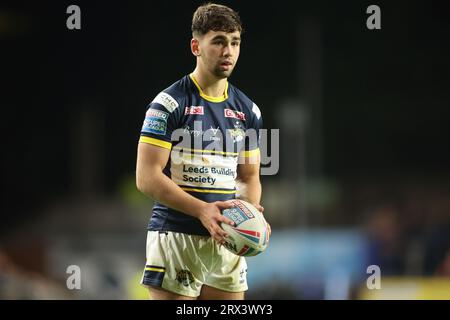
[
  {"x": 73, "y": 101},
  {"x": 385, "y": 92}
]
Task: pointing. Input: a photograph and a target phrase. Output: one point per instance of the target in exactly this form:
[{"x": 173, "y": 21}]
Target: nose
[{"x": 227, "y": 50}]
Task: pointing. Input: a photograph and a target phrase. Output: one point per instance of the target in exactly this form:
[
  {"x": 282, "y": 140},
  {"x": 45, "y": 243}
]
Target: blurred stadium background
[{"x": 364, "y": 144}]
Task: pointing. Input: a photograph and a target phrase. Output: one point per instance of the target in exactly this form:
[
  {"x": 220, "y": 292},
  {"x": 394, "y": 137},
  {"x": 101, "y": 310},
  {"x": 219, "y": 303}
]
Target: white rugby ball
[{"x": 249, "y": 236}]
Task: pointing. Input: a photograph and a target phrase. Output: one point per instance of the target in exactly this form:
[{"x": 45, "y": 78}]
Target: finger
[
  {"x": 216, "y": 236},
  {"x": 269, "y": 229},
  {"x": 224, "y": 204},
  {"x": 259, "y": 207},
  {"x": 219, "y": 240},
  {"x": 226, "y": 220},
  {"x": 221, "y": 233}
]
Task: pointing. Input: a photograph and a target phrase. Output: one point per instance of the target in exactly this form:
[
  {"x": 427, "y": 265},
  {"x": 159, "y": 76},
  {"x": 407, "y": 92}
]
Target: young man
[{"x": 192, "y": 152}]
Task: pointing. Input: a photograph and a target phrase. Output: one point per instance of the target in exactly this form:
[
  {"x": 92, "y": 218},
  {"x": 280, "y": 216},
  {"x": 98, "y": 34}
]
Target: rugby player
[{"x": 193, "y": 152}]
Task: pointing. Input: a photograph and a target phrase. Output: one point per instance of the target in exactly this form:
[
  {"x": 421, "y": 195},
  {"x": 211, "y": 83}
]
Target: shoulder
[
  {"x": 174, "y": 95},
  {"x": 247, "y": 105}
]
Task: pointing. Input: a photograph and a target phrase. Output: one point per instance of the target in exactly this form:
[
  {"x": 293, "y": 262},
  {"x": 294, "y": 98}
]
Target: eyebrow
[{"x": 221, "y": 37}]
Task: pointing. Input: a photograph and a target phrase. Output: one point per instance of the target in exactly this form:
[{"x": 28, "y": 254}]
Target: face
[{"x": 218, "y": 52}]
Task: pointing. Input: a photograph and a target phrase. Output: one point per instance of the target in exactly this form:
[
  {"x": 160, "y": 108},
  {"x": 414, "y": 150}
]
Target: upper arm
[
  {"x": 249, "y": 157},
  {"x": 155, "y": 143},
  {"x": 151, "y": 159},
  {"x": 248, "y": 168}
]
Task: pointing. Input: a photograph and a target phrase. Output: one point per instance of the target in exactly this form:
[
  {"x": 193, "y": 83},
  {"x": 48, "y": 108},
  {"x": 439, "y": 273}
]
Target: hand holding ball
[{"x": 250, "y": 234}]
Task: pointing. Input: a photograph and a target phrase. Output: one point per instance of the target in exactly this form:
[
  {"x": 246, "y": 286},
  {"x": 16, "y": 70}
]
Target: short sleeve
[
  {"x": 161, "y": 119},
  {"x": 253, "y": 132}
]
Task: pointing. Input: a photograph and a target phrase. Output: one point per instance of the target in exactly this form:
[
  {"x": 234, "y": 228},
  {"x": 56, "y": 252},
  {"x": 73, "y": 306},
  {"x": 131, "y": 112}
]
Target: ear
[{"x": 195, "y": 47}]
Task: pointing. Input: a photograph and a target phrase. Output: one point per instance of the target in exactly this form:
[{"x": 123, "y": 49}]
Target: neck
[{"x": 211, "y": 85}]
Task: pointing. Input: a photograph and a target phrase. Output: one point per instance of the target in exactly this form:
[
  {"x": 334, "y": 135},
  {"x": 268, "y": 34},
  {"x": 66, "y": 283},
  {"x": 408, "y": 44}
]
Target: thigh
[
  {"x": 210, "y": 293},
  {"x": 170, "y": 266},
  {"x": 161, "y": 294},
  {"x": 229, "y": 273}
]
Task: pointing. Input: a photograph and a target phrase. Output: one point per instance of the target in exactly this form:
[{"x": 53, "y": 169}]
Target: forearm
[
  {"x": 162, "y": 189},
  {"x": 250, "y": 190}
]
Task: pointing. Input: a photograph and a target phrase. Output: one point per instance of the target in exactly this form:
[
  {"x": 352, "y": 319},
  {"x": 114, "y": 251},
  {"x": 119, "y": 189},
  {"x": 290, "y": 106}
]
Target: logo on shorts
[
  {"x": 242, "y": 275},
  {"x": 185, "y": 277}
]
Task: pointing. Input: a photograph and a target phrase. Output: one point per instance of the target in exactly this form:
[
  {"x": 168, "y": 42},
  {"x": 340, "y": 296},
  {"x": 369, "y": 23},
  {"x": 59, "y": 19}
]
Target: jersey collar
[{"x": 209, "y": 98}]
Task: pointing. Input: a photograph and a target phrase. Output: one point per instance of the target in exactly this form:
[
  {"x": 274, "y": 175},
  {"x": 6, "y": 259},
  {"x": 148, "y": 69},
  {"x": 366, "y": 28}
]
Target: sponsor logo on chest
[
  {"x": 194, "y": 110},
  {"x": 234, "y": 114}
]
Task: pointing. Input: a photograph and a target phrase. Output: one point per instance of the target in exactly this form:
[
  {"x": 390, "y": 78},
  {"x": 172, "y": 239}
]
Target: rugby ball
[{"x": 249, "y": 236}]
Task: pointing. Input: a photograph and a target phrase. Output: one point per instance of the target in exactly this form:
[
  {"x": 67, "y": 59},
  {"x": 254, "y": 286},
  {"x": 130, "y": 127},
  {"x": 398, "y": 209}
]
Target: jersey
[{"x": 206, "y": 136}]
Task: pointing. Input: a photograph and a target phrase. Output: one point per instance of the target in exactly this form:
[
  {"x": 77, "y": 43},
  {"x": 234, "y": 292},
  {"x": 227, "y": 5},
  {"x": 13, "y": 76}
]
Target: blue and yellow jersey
[{"x": 206, "y": 136}]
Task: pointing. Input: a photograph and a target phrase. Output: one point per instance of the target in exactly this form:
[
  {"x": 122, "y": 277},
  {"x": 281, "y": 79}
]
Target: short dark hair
[{"x": 215, "y": 17}]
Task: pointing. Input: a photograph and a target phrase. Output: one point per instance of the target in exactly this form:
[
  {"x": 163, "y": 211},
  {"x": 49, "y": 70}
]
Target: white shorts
[{"x": 183, "y": 263}]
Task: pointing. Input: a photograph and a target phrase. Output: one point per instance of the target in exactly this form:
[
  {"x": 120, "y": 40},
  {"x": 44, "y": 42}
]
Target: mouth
[{"x": 226, "y": 65}]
